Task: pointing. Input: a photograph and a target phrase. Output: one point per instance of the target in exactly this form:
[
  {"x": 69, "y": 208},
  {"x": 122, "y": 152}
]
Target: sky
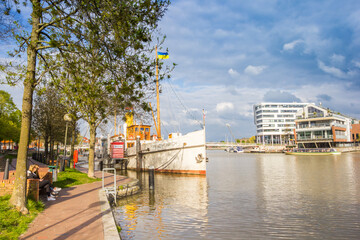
[{"x": 232, "y": 54}]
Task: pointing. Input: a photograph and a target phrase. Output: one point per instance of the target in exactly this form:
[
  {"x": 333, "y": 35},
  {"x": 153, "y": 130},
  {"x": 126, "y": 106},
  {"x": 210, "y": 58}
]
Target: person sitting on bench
[{"x": 33, "y": 173}]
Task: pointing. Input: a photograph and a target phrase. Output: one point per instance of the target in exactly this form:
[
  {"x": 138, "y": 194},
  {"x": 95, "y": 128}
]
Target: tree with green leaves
[
  {"x": 112, "y": 68},
  {"x": 47, "y": 17},
  {"x": 48, "y": 119},
  {"x": 111, "y": 35},
  {"x": 10, "y": 118}
]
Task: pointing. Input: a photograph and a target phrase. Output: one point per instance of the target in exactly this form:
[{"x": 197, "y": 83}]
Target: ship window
[
  {"x": 136, "y": 129},
  {"x": 147, "y": 129},
  {"x": 142, "y": 129}
]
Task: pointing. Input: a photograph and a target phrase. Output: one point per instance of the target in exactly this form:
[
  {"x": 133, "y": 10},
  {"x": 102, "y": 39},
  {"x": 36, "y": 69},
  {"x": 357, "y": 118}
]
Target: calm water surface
[{"x": 250, "y": 196}]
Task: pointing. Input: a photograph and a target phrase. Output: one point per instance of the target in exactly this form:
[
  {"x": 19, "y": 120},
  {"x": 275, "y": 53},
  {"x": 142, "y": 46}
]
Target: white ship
[{"x": 178, "y": 154}]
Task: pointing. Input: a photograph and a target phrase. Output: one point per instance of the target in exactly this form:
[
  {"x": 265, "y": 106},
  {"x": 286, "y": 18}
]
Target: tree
[
  {"x": 107, "y": 31},
  {"x": 111, "y": 68},
  {"x": 10, "y": 118},
  {"x": 7, "y": 24},
  {"x": 46, "y": 18},
  {"x": 48, "y": 119}
]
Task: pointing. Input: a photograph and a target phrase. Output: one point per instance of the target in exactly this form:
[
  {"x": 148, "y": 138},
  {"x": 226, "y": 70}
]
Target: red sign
[{"x": 117, "y": 149}]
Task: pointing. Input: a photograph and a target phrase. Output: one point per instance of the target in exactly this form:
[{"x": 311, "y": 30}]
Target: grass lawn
[
  {"x": 12, "y": 222},
  {"x": 72, "y": 177}
]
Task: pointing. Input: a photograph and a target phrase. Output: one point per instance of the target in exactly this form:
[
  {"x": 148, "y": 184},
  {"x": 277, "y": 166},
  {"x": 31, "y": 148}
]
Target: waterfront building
[
  {"x": 275, "y": 122},
  {"x": 319, "y": 127}
]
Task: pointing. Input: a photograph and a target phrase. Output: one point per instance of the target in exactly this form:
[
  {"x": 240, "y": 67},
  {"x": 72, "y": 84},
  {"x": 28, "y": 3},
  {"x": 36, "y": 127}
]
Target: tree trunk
[
  {"x": 18, "y": 197},
  {"x": 73, "y": 144},
  {"x": 51, "y": 151},
  {"x": 46, "y": 140},
  {"x": 91, "y": 172}
]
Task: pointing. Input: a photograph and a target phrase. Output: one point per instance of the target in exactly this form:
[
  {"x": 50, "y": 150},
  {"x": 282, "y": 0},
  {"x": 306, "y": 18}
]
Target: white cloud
[
  {"x": 280, "y": 96},
  {"x": 332, "y": 70},
  {"x": 291, "y": 45},
  {"x": 254, "y": 70},
  {"x": 357, "y": 64},
  {"x": 336, "y": 58},
  {"x": 233, "y": 72},
  {"x": 220, "y": 107}
]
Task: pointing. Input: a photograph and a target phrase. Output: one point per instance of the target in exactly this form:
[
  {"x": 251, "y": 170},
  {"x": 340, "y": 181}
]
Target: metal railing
[
  {"x": 109, "y": 190},
  {"x": 315, "y": 137},
  {"x": 313, "y": 126}
]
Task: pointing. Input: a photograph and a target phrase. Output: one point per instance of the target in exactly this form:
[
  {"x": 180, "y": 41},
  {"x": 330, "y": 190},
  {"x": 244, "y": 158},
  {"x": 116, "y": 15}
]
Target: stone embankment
[
  {"x": 128, "y": 189},
  {"x": 281, "y": 148},
  {"x": 348, "y": 149}
]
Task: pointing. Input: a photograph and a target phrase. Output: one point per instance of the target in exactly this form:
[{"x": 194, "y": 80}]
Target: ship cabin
[{"x": 137, "y": 130}]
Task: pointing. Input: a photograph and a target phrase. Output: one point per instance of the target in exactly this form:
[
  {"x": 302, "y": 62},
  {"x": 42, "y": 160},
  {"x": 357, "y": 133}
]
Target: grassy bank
[
  {"x": 12, "y": 222},
  {"x": 72, "y": 177}
]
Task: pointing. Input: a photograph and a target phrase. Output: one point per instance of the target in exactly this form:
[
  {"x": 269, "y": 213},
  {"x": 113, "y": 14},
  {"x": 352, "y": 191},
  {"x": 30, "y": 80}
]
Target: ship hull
[{"x": 183, "y": 154}]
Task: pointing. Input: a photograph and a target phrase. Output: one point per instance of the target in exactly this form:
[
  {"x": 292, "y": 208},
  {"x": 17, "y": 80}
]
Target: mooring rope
[{"x": 166, "y": 164}]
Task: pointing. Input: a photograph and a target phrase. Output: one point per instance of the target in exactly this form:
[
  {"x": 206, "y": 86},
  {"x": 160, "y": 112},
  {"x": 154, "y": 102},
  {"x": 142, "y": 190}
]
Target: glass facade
[{"x": 275, "y": 122}]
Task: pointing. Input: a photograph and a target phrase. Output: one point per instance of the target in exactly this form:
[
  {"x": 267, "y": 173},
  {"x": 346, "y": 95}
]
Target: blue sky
[{"x": 233, "y": 54}]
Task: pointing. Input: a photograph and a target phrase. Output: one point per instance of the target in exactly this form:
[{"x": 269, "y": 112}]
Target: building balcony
[
  {"x": 341, "y": 137},
  {"x": 314, "y": 126},
  {"x": 299, "y": 138},
  {"x": 339, "y": 125}
]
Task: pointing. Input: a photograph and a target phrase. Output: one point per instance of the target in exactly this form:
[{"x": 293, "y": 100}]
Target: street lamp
[{"x": 67, "y": 118}]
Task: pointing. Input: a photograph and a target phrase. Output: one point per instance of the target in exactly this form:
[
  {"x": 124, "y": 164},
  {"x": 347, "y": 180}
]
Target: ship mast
[
  {"x": 157, "y": 97},
  {"x": 115, "y": 122}
]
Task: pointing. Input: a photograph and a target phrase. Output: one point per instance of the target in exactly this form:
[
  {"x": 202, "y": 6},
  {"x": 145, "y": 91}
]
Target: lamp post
[{"x": 67, "y": 118}]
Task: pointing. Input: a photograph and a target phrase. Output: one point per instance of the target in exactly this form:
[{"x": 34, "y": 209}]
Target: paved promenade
[{"x": 76, "y": 213}]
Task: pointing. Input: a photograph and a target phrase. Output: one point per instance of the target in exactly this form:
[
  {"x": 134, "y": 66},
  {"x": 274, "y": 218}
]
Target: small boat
[
  {"x": 238, "y": 149},
  {"x": 257, "y": 150},
  {"x": 313, "y": 151}
]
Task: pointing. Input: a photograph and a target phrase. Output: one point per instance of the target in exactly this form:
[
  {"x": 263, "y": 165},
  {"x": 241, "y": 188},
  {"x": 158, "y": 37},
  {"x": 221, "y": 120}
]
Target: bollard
[
  {"x": 101, "y": 165},
  {"x": 151, "y": 178},
  {"x": 62, "y": 165},
  {"x": 6, "y": 173},
  {"x": 152, "y": 199}
]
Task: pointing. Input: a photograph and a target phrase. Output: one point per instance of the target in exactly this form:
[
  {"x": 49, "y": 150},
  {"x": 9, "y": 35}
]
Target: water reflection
[
  {"x": 250, "y": 196},
  {"x": 177, "y": 205}
]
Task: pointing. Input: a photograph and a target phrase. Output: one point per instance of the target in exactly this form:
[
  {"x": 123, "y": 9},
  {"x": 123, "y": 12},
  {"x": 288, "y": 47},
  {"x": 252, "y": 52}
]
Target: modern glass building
[
  {"x": 319, "y": 127},
  {"x": 275, "y": 122}
]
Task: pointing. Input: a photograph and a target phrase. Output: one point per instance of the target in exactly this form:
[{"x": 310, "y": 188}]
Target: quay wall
[{"x": 348, "y": 149}]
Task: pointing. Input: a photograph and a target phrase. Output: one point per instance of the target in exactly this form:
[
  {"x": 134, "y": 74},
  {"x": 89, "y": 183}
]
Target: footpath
[{"x": 79, "y": 212}]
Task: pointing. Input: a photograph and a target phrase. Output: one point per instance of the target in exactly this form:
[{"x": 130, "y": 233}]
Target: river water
[{"x": 249, "y": 196}]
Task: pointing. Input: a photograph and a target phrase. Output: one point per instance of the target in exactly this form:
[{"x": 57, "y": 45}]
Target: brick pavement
[{"x": 76, "y": 213}]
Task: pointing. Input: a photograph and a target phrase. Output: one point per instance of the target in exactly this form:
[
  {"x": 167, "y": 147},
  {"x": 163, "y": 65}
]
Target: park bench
[{"x": 32, "y": 190}]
